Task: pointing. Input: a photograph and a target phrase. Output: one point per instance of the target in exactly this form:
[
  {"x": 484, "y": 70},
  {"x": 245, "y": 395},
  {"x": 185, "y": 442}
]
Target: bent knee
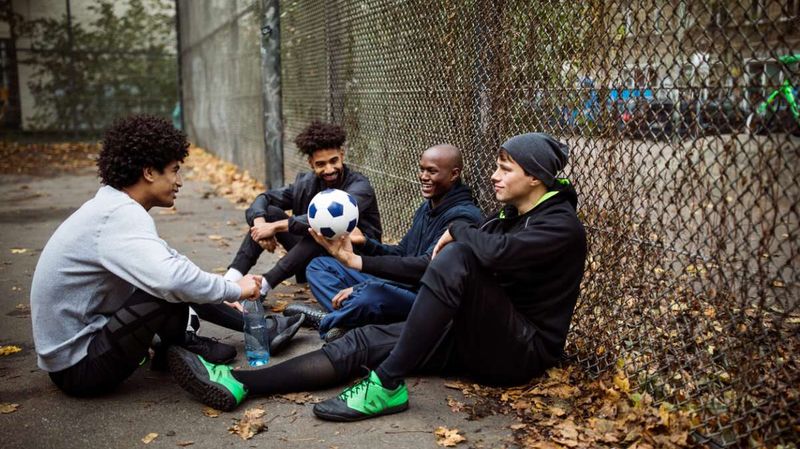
[{"x": 453, "y": 253}]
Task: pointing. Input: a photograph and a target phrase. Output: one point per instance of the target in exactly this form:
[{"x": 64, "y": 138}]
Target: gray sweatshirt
[{"x": 94, "y": 262}]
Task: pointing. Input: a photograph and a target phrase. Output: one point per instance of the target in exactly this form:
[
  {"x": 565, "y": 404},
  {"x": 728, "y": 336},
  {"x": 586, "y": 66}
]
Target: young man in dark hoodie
[
  {"x": 495, "y": 304},
  {"x": 270, "y": 225},
  {"x": 378, "y": 285}
]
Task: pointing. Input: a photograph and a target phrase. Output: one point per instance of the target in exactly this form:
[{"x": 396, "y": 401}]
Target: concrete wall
[{"x": 220, "y": 56}]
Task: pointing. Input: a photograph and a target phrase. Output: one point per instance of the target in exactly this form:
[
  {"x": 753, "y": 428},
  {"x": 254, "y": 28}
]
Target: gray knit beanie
[{"x": 539, "y": 155}]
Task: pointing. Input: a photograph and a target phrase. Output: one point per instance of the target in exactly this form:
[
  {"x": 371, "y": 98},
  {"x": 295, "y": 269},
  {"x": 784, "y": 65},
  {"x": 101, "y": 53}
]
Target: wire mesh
[{"x": 686, "y": 171}]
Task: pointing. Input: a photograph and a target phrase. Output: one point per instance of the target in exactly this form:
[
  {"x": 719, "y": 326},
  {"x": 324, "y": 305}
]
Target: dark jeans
[
  {"x": 373, "y": 301},
  {"x": 300, "y": 250},
  {"x": 121, "y": 345},
  {"x": 461, "y": 322}
]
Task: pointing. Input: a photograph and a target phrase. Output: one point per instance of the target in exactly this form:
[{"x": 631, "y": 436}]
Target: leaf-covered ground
[{"x": 567, "y": 408}]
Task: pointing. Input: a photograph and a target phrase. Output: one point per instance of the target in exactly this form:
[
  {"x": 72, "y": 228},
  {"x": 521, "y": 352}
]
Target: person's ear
[
  {"x": 341, "y": 155},
  {"x": 455, "y": 173},
  {"x": 148, "y": 174},
  {"x": 311, "y": 162},
  {"x": 534, "y": 182}
]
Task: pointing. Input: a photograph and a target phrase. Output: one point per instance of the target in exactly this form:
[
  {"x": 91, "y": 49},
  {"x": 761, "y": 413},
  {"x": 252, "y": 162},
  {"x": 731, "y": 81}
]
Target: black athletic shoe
[
  {"x": 281, "y": 330},
  {"x": 213, "y": 385},
  {"x": 209, "y": 348},
  {"x": 313, "y": 315}
]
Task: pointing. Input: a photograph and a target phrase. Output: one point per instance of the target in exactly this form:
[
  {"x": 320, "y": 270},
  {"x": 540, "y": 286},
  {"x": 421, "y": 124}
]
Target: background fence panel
[{"x": 688, "y": 181}]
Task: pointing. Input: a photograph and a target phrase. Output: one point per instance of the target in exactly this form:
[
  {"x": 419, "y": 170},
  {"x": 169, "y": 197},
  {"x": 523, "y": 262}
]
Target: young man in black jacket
[
  {"x": 378, "y": 285},
  {"x": 270, "y": 225},
  {"x": 495, "y": 304}
]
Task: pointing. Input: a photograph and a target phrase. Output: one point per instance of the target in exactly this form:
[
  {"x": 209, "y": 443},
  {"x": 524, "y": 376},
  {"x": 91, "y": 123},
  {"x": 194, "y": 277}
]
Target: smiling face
[
  {"x": 163, "y": 185},
  {"x": 328, "y": 165},
  {"x": 511, "y": 184},
  {"x": 437, "y": 172}
]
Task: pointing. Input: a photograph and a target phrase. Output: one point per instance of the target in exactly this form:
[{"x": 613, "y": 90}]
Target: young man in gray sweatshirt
[{"x": 105, "y": 283}]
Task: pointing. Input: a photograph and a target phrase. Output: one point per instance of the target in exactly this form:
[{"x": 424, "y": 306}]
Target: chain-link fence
[
  {"x": 80, "y": 64},
  {"x": 686, "y": 171}
]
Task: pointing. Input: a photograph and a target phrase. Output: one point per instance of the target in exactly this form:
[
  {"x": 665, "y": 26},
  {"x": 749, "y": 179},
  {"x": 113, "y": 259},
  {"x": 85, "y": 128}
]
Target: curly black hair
[
  {"x": 320, "y": 136},
  {"x": 136, "y": 142}
]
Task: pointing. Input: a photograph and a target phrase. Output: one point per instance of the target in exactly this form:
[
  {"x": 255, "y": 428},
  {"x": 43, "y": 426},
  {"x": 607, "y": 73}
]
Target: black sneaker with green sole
[{"x": 213, "y": 385}]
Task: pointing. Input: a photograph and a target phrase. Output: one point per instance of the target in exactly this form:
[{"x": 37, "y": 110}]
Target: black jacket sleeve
[
  {"x": 406, "y": 270},
  {"x": 280, "y": 198},
  {"x": 374, "y": 248},
  {"x": 540, "y": 241}
]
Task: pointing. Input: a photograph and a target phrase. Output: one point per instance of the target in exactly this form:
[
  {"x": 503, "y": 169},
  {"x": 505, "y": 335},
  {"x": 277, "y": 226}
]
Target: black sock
[
  {"x": 387, "y": 382},
  {"x": 312, "y": 371}
]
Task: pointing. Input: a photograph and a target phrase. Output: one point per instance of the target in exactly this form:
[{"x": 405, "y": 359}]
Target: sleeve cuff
[
  {"x": 457, "y": 228},
  {"x": 232, "y": 291}
]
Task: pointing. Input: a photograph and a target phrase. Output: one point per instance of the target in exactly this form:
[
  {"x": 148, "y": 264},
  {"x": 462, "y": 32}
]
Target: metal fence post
[{"x": 271, "y": 91}]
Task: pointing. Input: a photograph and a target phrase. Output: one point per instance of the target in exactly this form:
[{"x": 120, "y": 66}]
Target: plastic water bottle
[{"x": 256, "y": 339}]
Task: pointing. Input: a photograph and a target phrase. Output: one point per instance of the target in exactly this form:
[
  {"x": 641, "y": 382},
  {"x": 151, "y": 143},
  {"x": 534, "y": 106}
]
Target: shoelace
[{"x": 354, "y": 389}]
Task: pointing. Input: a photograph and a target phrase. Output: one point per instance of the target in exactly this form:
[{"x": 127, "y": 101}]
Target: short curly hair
[
  {"x": 320, "y": 136},
  {"x": 136, "y": 142}
]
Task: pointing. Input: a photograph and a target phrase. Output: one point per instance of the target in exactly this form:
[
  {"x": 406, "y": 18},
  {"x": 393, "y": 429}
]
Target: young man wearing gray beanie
[{"x": 495, "y": 304}]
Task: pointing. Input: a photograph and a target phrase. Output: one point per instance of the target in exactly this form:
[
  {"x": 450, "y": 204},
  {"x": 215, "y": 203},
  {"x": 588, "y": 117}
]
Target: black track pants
[
  {"x": 462, "y": 322},
  {"x": 120, "y": 346}
]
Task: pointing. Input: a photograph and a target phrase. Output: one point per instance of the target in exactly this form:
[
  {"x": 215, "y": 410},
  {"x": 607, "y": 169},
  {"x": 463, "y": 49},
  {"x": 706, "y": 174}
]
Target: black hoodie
[
  {"x": 406, "y": 262},
  {"x": 538, "y": 259}
]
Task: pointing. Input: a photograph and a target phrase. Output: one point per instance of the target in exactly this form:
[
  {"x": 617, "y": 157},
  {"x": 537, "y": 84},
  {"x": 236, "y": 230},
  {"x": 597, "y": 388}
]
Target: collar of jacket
[
  {"x": 562, "y": 190},
  {"x": 458, "y": 193}
]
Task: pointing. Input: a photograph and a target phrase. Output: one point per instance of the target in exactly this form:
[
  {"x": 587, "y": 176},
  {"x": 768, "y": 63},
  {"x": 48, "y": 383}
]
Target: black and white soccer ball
[{"x": 333, "y": 213}]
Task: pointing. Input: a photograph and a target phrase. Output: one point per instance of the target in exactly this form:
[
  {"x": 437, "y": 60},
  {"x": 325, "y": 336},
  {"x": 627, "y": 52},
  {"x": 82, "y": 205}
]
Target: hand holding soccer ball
[{"x": 333, "y": 213}]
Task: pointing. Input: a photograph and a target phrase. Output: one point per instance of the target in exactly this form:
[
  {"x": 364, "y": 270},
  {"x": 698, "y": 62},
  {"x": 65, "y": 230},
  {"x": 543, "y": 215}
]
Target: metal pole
[
  {"x": 271, "y": 92},
  {"x": 71, "y": 94},
  {"x": 180, "y": 63}
]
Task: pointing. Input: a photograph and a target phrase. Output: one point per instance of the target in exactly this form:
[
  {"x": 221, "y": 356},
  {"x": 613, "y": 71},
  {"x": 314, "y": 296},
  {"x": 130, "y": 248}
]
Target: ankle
[{"x": 387, "y": 381}]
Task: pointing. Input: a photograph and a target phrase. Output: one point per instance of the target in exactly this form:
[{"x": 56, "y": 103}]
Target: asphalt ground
[{"x": 207, "y": 229}]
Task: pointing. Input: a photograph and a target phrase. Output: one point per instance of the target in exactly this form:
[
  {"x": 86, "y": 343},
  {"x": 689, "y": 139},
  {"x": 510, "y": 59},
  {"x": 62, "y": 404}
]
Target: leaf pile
[
  {"x": 41, "y": 159},
  {"x": 228, "y": 181},
  {"x": 569, "y": 409}
]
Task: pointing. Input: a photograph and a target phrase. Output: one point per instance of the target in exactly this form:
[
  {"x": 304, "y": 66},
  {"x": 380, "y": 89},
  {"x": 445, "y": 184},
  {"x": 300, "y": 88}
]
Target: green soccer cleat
[
  {"x": 213, "y": 385},
  {"x": 363, "y": 400}
]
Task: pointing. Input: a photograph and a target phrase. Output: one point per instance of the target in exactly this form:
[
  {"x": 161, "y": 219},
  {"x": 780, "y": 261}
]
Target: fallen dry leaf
[
  {"x": 10, "y": 349},
  {"x": 448, "y": 437},
  {"x": 184, "y": 443},
  {"x": 215, "y": 237},
  {"x": 170, "y": 211},
  {"x": 149, "y": 438},
  {"x": 456, "y": 385},
  {"x": 6, "y": 408},
  {"x": 19, "y": 250},
  {"x": 298, "y": 398},
  {"x": 542, "y": 444},
  {"x": 250, "y": 424},
  {"x": 211, "y": 412},
  {"x": 279, "y": 306},
  {"x": 219, "y": 270},
  {"x": 455, "y": 405}
]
